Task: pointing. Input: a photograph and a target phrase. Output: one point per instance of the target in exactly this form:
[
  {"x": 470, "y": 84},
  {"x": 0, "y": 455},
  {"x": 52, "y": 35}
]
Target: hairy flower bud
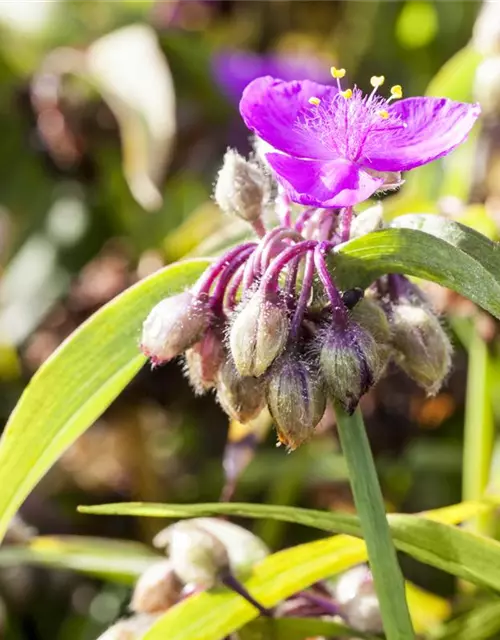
[
  {"x": 259, "y": 333},
  {"x": 423, "y": 350},
  {"x": 203, "y": 550},
  {"x": 173, "y": 325},
  {"x": 487, "y": 86},
  {"x": 133, "y": 628},
  {"x": 369, "y": 220},
  {"x": 241, "y": 397},
  {"x": 371, "y": 317},
  {"x": 486, "y": 33},
  {"x": 241, "y": 188},
  {"x": 350, "y": 363},
  {"x": 157, "y": 589},
  {"x": 204, "y": 359},
  {"x": 357, "y": 601},
  {"x": 296, "y": 399}
]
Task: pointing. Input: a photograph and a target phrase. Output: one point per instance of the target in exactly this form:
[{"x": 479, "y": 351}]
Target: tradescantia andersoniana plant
[{"x": 308, "y": 313}]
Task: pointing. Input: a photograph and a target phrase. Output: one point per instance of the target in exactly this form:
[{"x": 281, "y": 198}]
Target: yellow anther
[
  {"x": 346, "y": 94},
  {"x": 396, "y": 91},
  {"x": 337, "y": 73},
  {"x": 383, "y": 114},
  {"x": 377, "y": 81},
  {"x": 314, "y": 100}
]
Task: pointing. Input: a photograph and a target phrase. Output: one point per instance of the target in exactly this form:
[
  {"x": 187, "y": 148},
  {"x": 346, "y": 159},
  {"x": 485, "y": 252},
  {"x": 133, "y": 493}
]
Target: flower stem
[{"x": 387, "y": 576}]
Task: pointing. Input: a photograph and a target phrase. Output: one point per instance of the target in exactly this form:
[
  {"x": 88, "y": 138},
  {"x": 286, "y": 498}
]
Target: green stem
[
  {"x": 387, "y": 576},
  {"x": 478, "y": 430}
]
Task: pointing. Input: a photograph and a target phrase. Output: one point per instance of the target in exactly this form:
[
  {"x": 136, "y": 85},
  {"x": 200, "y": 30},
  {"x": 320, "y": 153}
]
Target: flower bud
[
  {"x": 371, "y": 317},
  {"x": 197, "y": 556},
  {"x": 157, "y": 589},
  {"x": 133, "y": 628},
  {"x": 423, "y": 350},
  {"x": 369, "y": 220},
  {"x": 241, "y": 397},
  {"x": 204, "y": 359},
  {"x": 350, "y": 363},
  {"x": 259, "y": 334},
  {"x": 357, "y": 601},
  {"x": 296, "y": 399},
  {"x": 241, "y": 188},
  {"x": 203, "y": 550},
  {"x": 487, "y": 86},
  {"x": 486, "y": 32},
  {"x": 173, "y": 325},
  {"x": 392, "y": 180}
]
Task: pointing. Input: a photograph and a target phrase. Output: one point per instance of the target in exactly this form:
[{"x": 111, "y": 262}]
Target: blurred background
[{"x": 114, "y": 116}]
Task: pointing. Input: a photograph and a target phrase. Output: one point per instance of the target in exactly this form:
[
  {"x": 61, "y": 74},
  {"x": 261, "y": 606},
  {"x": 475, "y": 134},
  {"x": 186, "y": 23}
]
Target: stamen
[
  {"x": 314, "y": 100},
  {"x": 383, "y": 114},
  {"x": 396, "y": 91},
  {"x": 376, "y": 82},
  {"x": 337, "y": 74},
  {"x": 346, "y": 94}
]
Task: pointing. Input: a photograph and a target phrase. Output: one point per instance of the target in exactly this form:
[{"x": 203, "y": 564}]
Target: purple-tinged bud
[
  {"x": 241, "y": 189},
  {"x": 295, "y": 398},
  {"x": 173, "y": 325},
  {"x": 357, "y": 601},
  {"x": 241, "y": 397},
  {"x": 422, "y": 348},
  {"x": 133, "y": 628},
  {"x": 371, "y": 219},
  {"x": 204, "y": 359},
  {"x": 350, "y": 362},
  {"x": 259, "y": 333},
  {"x": 204, "y": 550},
  {"x": 157, "y": 589}
]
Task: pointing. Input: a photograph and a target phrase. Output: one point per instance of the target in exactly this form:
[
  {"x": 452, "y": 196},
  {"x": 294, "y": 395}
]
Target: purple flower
[
  {"x": 333, "y": 148},
  {"x": 233, "y": 70}
]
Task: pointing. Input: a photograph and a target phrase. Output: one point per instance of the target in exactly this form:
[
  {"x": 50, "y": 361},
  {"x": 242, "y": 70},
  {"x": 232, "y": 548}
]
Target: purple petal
[
  {"x": 234, "y": 70},
  {"x": 434, "y": 127},
  {"x": 337, "y": 183},
  {"x": 278, "y": 111}
]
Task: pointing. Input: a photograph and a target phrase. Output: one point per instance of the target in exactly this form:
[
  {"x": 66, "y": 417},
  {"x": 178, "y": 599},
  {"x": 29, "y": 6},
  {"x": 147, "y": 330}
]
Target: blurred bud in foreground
[
  {"x": 423, "y": 350},
  {"x": 173, "y": 325},
  {"x": 241, "y": 188},
  {"x": 204, "y": 359},
  {"x": 259, "y": 333},
  {"x": 157, "y": 589},
  {"x": 486, "y": 33},
  {"x": 133, "y": 628},
  {"x": 487, "y": 86},
  {"x": 357, "y": 601},
  {"x": 241, "y": 397},
  {"x": 350, "y": 363},
  {"x": 296, "y": 399}
]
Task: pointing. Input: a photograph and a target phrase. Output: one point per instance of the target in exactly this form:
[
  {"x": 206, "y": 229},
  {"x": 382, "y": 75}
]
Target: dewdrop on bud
[
  {"x": 370, "y": 220},
  {"x": 258, "y": 334},
  {"x": 350, "y": 363},
  {"x": 173, "y": 325},
  {"x": 229, "y": 548},
  {"x": 241, "y": 188},
  {"x": 241, "y": 397},
  {"x": 196, "y": 555},
  {"x": 423, "y": 350},
  {"x": 357, "y": 601},
  {"x": 487, "y": 86},
  {"x": 204, "y": 359},
  {"x": 133, "y": 628},
  {"x": 295, "y": 398},
  {"x": 157, "y": 589}
]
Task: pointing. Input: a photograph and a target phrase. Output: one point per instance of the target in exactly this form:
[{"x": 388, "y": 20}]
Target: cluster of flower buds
[{"x": 266, "y": 323}]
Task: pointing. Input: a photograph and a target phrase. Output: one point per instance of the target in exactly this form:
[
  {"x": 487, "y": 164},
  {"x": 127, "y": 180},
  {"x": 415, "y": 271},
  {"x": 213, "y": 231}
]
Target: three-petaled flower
[{"x": 334, "y": 148}]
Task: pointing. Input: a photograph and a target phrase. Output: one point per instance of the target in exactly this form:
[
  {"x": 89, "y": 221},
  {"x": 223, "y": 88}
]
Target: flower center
[{"x": 346, "y": 123}]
